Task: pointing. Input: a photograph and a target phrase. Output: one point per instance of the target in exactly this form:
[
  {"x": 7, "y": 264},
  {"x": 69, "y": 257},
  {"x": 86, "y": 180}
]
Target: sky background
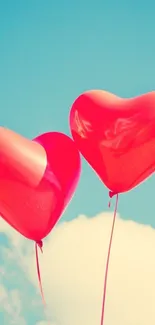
[{"x": 51, "y": 52}]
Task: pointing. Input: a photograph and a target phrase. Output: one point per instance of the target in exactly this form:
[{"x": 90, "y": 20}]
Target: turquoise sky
[{"x": 51, "y": 51}]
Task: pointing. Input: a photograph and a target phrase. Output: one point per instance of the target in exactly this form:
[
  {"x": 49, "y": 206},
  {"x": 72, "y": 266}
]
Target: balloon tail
[
  {"x": 111, "y": 194},
  {"x": 40, "y": 245},
  {"x": 108, "y": 257}
]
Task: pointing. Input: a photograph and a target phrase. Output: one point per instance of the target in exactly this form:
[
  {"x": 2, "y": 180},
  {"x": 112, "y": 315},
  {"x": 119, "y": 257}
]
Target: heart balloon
[
  {"x": 116, "y": 136},
  {"x": 37, "y": 180}
]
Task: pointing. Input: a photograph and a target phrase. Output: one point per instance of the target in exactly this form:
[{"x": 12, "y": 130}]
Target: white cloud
[
  {"x": 44, "y": 323},
  {"x": 73, "y": 266},
  {"x": 10, "y": 306}
]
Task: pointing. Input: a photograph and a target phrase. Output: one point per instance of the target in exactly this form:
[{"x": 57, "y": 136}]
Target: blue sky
[{"x": 51, "y": 51}]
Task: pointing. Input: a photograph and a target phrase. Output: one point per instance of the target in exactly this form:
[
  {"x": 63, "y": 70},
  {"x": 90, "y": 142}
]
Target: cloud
[
  {"x": 44, "y": 323},
  {"x": 19, "y": 303},
  {"x": 10, "y": 306},
  {"x": 73, "y": 266}
]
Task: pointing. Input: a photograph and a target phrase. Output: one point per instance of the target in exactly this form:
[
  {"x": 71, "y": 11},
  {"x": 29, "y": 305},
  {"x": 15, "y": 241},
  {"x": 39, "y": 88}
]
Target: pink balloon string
[
  {"x": 40, "y": 245},
  {"x": 111, "y": 194}
]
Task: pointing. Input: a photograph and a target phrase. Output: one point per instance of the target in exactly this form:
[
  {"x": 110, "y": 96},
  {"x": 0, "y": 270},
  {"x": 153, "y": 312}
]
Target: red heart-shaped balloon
[
  {"x": 37, "y": 180},
  {"x": 116, "y": 136}
]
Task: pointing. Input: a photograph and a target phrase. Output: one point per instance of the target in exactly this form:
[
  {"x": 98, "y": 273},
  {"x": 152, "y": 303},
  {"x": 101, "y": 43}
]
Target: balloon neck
[
  {"x": 111, "y": 194},
  {"x": 40, "y": 244}
]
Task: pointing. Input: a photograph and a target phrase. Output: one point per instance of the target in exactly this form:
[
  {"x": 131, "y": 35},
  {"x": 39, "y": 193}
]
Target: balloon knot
[
  {"x": 111, "y": 194},
  {"x": 40, "y": 244}
]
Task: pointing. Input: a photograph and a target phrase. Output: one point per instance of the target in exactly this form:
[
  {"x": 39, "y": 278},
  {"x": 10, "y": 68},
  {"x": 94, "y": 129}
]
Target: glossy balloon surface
[
  {"x": 37, "y": 180},
  {"x": 116, "y": 136}
]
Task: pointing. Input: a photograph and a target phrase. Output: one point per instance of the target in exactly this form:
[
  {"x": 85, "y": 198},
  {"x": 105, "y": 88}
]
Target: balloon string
[
  {"x": 108, "y": 259},
  {"x": 40, "y": 245}
]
